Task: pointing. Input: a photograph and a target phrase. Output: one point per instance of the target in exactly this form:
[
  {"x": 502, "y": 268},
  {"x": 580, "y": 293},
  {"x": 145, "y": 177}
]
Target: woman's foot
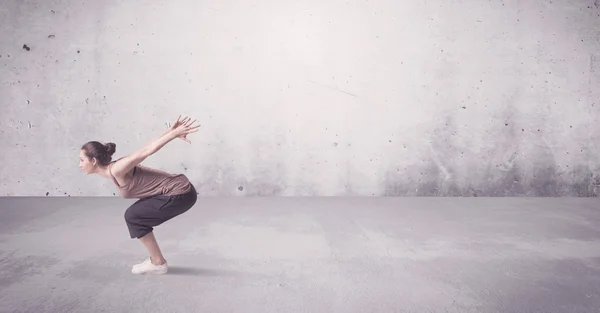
[{"x": 148, "y": 267}]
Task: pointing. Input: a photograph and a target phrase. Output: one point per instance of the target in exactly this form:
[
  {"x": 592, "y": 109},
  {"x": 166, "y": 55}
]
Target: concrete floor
[{"x": 306, "y": 255}]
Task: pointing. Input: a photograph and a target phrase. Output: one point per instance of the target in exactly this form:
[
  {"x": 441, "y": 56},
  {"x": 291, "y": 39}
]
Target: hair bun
[{"x": 110, "y": 148}]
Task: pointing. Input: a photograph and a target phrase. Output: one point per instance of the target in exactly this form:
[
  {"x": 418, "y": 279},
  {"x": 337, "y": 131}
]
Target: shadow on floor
[{"x": 190, "y": 271}]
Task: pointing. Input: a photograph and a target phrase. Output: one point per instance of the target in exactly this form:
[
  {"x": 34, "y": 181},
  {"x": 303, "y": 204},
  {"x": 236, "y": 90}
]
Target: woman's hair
[{"x": 102, "y": 152}]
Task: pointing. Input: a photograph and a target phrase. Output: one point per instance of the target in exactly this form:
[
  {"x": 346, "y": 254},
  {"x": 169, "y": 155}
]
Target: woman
[{"x": 162, "y": 195}]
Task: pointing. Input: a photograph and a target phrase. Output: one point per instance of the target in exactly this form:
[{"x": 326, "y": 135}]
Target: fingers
[
  {"x": 185, "y": 125},
  {"x": 191, "y": 131},
  {"x": 186, "y": 121},
  {"x": 190, "y": 124}
]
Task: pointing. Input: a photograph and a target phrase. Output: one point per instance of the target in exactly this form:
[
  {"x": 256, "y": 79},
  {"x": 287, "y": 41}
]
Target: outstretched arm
[
  {"x": 168, "y": 130},
  {"x": 125, "y": 164},
  {"x": 179, "y": 130},
  {"x": 153, "y": 146}
]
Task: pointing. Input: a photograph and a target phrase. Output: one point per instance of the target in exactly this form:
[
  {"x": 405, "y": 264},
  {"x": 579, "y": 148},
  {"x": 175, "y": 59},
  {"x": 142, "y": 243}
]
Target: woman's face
[{"x": 86, "y": 163}]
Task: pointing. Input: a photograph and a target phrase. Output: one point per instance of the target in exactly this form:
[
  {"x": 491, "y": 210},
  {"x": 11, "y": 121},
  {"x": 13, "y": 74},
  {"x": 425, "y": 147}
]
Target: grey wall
[{"x": 445, "y": 98}]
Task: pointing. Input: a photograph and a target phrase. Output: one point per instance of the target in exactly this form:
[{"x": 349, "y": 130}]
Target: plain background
[{"x": 306, "y": 98}]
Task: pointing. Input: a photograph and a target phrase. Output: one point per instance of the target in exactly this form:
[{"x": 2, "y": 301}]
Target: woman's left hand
[{"x": 181, "y": 128}]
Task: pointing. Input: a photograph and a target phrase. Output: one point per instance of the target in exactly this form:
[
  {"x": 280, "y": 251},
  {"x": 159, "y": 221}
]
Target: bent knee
[{"x": 129, "y": 214}]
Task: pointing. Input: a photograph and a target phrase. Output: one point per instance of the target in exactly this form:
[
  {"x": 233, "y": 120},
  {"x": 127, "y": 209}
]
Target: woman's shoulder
[{"x": 118, "y": 175}]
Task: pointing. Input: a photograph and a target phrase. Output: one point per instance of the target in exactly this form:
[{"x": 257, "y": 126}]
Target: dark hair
[{"x": 102, "y": 152}]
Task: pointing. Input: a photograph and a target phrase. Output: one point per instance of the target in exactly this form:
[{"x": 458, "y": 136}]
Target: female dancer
[{"x": 162, "y": 195}]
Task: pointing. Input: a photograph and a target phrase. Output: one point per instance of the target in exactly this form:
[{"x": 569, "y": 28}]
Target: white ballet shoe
[{"x": 147, "y": 267}]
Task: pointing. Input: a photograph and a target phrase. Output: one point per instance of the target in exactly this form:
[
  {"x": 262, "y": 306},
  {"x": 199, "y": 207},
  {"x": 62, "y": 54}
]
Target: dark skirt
[{"x": 146, "y": 213}]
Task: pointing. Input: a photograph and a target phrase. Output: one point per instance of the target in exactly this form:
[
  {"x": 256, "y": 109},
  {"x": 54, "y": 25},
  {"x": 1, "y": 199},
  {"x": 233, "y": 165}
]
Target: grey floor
[{"x": 306, "y": 255}]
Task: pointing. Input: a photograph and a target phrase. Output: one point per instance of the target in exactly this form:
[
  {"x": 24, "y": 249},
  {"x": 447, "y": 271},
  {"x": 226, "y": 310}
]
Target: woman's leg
[
  {"x": 144, "y": 215},
  {"x": 151, "y": 245}
]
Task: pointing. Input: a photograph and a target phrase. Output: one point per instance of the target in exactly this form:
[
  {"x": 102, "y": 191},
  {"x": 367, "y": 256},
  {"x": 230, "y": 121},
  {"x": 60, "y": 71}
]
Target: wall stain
[
  {"x": 544, "y": 182},
  {"x": 529, "y": 173}
]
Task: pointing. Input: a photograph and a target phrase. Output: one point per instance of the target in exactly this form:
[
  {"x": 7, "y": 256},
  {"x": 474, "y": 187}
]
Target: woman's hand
[{"x": 181, "y": 128}]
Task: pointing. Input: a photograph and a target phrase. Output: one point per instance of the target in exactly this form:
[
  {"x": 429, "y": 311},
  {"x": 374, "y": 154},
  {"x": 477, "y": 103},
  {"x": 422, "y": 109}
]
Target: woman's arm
[
  {"x": 156, "y": 144},
  {"x": 171, "y": 128},
  {"x": 127, "y": 163},
  {"x": 180, "y": 129}
]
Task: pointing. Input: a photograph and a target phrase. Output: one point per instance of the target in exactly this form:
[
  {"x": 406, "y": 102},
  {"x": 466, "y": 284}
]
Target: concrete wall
[{"x": 444, "y": 98}]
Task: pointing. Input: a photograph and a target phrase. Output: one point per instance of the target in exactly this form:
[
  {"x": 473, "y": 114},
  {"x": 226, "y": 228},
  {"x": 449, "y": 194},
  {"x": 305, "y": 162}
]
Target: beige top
[{"x": 147, "y": 182}]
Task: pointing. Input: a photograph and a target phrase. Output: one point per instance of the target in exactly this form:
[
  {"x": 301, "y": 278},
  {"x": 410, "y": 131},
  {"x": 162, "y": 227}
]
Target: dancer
[{"x": 162, "y": 195}]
